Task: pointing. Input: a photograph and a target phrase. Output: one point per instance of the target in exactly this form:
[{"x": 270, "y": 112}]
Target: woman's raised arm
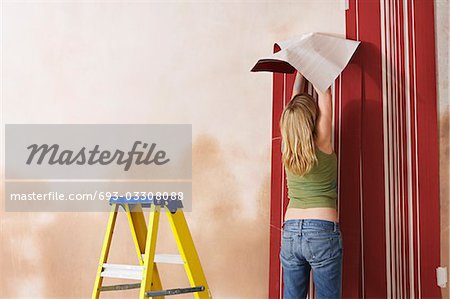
[
  {"x": 324, "y": 120},
  {"x": 299, "y": 85}
]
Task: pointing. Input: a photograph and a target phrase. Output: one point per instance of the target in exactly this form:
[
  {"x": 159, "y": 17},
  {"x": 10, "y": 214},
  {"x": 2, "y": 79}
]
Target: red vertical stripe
[
  {"x": 404, "y": 170},
  {"x": 405, "y": 192},
  {"x": 289, "y": 83},
  {"x": 396, "y": 160},
  {"x": 372, "y": 150},
  {"x": 415, "y": 278},
  {"x": 276, "y": 185},
  {"x": 349, "y": 191}
]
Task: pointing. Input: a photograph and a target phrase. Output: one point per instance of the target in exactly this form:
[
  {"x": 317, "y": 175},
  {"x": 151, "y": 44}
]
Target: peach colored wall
[
  {"x": 442, "y": 11},
  {"x": 151, "y": 62}
]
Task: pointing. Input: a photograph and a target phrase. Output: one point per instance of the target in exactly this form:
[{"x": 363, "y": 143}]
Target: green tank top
[{"x": 318, "y": 187}]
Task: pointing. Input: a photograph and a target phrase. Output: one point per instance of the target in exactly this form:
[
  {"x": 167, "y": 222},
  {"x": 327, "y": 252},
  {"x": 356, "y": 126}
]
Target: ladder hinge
[{"x": 442, "y": 276}]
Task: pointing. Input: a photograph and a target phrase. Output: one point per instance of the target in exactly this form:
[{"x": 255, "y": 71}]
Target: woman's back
[{"x": 317, "y": 188}]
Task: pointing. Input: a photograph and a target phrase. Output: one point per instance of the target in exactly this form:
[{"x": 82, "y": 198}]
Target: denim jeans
[{"x": 311, "y": 244}]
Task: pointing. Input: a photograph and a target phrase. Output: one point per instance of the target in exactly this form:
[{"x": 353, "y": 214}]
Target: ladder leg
[
  {"x": 105, "y": 250},
  {"x": 136, "y": 220},
  {"x": 188, "y": 252},
  {"x": 149, "y": 257},
  {"x": 156, "y": 282}
]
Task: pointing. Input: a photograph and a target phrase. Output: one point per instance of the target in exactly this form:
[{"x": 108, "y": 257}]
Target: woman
[{"x": 311, "y": 236}]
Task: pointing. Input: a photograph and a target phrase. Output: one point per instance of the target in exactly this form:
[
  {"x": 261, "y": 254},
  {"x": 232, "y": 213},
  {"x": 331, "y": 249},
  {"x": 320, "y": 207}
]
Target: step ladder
[{"x": 144, "y": 239}]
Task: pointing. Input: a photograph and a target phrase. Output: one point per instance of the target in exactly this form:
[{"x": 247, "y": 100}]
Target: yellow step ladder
[{"x": 145, "y": 243}]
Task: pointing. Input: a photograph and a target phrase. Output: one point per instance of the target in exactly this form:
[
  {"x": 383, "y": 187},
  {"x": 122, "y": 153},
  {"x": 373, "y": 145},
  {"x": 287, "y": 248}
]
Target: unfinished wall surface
[{"x": 151, "y": 62}]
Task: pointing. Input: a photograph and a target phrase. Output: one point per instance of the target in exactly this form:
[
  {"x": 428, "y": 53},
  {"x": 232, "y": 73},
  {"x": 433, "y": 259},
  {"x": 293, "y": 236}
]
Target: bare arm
[
  {"x": 299, "y": 85},
  {"x": 324, "y": 120}
]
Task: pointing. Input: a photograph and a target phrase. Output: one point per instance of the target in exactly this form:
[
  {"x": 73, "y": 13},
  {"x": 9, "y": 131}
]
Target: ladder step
[
  {"x": 174, "y": 291},
  {"x": 122, "y": 271},
  {"x": 169, "y": 258},
  {"x": 135, "y": 272},
  {"x": 123, "y": 267},
  {"x": 120, "y": 287},
  {"x": 166, "y": 258}
]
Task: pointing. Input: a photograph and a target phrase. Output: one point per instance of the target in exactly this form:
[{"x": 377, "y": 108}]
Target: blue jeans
[{"x": 311, "y": 244}]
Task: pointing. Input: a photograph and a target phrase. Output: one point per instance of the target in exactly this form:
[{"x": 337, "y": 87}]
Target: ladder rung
[
  {"x": 174, "y": 291},
  {"x": 135, "y": 272},
  {"x": 120, "y": 287},
  {"x": 122, "y": 271},
  {"x": 166, "y": 258},
  {"x": 123, "y": 267}
]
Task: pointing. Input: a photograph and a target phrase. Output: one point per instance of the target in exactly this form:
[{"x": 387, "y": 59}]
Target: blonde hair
[{"x": 297, "y": 125}]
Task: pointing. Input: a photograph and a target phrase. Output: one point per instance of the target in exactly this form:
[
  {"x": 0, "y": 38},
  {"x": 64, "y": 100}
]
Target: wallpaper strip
[{"x": 385, "y": 137}]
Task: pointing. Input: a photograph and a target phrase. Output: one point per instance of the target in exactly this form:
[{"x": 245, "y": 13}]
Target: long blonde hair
[{"x": 297, "y": 125}]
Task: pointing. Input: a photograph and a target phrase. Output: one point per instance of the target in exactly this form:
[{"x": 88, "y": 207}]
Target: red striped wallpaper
[{"x": 385, "y": 136}]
